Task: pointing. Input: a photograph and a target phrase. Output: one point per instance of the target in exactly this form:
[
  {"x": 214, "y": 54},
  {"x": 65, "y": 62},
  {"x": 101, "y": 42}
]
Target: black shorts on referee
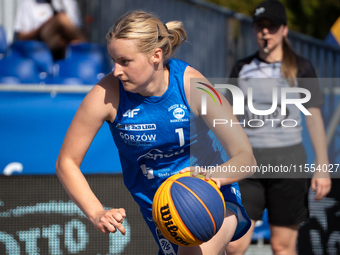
[{"x": 285, "y": 198}]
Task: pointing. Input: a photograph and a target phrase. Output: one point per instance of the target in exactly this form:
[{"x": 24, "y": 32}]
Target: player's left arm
[
  {"x": 321, "y": 182},
  {"x": 233, "y": 138}
]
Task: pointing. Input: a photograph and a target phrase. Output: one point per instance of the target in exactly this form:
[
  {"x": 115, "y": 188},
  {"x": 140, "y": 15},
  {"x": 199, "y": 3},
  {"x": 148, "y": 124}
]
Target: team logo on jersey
[
  {"x": 147, "y": 171},
  {"x": 165, "y": 244},
  {"x": 159, "y": 154},
  {"x": 136, "y": 127},
  {"x": 235, "y": 191},
  {"x": 149, "y": 219},
  {"x": 138, "y": 139},
  {"x": 178, "y": 111},
  {"x": 131, "y": 113}
]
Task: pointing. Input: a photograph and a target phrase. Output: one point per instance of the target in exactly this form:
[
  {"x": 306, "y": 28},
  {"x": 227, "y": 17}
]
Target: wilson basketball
[{"x": 188, "y": 210}]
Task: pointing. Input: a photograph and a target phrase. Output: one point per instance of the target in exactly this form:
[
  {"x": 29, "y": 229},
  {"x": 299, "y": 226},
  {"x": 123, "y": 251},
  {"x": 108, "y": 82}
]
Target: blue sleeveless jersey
[{"x": 154, "y": 136}]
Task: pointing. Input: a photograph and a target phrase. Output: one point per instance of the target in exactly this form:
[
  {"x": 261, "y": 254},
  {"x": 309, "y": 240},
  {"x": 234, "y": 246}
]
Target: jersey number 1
[{"x": 180, "y": 136}]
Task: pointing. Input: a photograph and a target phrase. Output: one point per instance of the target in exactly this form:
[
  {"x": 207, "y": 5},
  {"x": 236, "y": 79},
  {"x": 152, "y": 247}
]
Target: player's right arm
[
  {"x": 99, "y": 105},
  {"x": 233, "y": 138}
]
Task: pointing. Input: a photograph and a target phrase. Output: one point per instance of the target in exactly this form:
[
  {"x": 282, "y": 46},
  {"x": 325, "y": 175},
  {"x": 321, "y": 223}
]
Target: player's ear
[
  {"x": 157, "y": 56},
  {"x": 285, "y": 31}
]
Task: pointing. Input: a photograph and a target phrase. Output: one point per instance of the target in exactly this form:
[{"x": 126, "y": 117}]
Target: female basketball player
[
  {"x": 150, "y": 108},
  {"x": 276, "y": 145}
]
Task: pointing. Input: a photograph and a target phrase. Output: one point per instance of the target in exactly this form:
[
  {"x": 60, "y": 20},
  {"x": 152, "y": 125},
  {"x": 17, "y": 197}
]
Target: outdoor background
[{"x": 36, "y": 215}]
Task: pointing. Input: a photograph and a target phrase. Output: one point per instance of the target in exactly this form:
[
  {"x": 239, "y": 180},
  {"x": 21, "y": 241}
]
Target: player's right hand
[
  {"x": 196, "y": 171},
  {"x": 109, "y": 221}
]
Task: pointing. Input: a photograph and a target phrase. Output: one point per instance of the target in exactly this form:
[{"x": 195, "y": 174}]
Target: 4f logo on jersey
[{"x": 130, "y": 113}]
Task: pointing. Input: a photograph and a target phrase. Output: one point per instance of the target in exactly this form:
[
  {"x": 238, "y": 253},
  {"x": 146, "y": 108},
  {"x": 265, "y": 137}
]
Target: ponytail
[
  {"x": 174, "y": 37},
  {"x": 289, "y": 65}
]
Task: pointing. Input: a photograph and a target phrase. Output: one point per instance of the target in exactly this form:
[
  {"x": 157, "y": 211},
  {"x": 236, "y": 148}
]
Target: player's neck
[{"x": 159, "y": 84}]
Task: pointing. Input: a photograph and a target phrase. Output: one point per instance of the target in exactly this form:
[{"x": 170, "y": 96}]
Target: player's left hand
[
  {"x": 321, "y": 186},
  {"x": 110, "y": 221},
  {"x": 197, "y": 171}
]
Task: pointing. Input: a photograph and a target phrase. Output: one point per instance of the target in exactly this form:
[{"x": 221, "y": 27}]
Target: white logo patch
[
  {"x": 136, "y": 127},
  {"x": 165, "y": 244},
  {"x": 138, "y": 138},
  {"x": 258, "y": 11},
  {"x": 178, "y": 111},
  {"x": 130, "y": 113},
  {"x": 156, "y": 153}
]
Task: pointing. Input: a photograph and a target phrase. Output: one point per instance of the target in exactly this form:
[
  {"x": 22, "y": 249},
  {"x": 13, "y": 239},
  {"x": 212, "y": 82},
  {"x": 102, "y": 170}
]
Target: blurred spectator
[{"x": 56, "y": 22}]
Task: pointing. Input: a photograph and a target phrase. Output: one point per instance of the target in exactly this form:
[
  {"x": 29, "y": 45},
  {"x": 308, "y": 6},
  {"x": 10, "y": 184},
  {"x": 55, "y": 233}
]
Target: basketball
[{"x": 188, "y": 210}]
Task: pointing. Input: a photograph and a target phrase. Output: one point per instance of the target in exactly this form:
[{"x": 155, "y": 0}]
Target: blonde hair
[
  {"x": 289, "y": 66},
  {"x": 149, "y": 32}
]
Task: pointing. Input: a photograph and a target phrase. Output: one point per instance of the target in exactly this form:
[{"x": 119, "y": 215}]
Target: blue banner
[{"x": 32, "y": 128}]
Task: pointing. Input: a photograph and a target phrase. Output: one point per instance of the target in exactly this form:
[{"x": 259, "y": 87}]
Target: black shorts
[{"x": 285, "y": 198}]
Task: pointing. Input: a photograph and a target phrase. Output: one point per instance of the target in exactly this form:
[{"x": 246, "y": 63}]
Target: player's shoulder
[
  {"x": 191, "y": 72},
  {"x": 190, "y": 75},
  {"x": 105, "y": 95},
  {"x": 177, "y": 63},
  {"x": 178, "y": 67},
  {"x": 107, "y": 85}
]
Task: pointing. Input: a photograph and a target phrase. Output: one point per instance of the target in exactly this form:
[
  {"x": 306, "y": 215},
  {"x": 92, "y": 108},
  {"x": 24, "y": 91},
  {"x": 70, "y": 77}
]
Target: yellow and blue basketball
[{"x": 188, "y": 210}]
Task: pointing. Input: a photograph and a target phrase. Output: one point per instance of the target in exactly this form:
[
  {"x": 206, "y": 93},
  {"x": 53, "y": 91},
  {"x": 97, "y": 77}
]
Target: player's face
[
  {"x": 133, "y": 68},
  {"x": 267, "y": 30}
]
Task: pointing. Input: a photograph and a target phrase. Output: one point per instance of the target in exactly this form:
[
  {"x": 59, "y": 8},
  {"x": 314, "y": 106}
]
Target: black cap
[{"x": 271, "y": 9}]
